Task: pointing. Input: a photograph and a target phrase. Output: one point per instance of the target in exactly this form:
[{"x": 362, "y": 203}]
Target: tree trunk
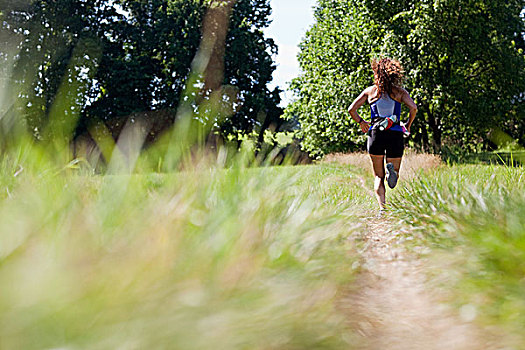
[
  {"x": 210, "y": 58},
  {"x": 433, "y": 122},
  {"x": 424, "y": 138},
  {"x": 265, "y": 125}
]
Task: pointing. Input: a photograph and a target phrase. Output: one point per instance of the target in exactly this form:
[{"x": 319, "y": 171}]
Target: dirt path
[{"x": 392, "y": 305}]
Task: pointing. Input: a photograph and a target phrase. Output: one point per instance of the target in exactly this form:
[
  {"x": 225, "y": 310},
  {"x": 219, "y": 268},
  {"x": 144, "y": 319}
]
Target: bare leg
[{"x": 379, "y": 174}]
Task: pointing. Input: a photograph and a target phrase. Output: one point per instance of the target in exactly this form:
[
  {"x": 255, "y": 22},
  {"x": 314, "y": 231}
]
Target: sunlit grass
[
  {"x": 208, "y": 257},
  {"x": 477, "y": 213}
]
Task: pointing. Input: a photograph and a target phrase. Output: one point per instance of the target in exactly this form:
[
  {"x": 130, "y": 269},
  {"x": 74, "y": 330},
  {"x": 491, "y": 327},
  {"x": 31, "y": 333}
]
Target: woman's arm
[
  {"x": 409, "y": 102},
  {"x": 358, "y": 102}
]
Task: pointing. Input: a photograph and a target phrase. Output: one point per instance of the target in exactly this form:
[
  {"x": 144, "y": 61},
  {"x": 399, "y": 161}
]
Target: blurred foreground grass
[
  {"x": 233, "y": 256},
  {"x": 206, "y": 258},
  {"x": 477, "y": 214}
]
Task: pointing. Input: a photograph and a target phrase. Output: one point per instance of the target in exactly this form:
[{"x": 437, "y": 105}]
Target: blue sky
[{"x": 291, "y": 19}]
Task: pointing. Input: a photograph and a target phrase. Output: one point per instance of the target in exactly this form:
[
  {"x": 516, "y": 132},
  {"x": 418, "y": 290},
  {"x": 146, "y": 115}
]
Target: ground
[{"x": 392, "y": 306}]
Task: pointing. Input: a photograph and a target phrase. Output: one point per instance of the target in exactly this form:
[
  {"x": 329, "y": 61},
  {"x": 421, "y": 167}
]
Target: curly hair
[{"x": 388, "y": 73}]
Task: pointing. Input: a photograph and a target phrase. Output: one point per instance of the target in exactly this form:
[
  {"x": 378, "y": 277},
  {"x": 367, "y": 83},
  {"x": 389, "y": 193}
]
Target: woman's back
[
  {"x": 385, "y": 105},
  {"x": 373, "y": 95}
]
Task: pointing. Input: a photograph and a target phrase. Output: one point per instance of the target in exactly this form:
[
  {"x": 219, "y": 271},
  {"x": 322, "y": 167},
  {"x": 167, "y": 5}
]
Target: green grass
[
  {"x": 477, "y": 214},
  {"x": 512, "y": 158},
  {"x": 232, "y": 256},
  {"x": 206, "y": 258}
]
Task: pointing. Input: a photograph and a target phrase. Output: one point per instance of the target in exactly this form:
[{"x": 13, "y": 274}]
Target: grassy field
[
  {"x": 207, "y": 258},
  {"x": 474, "y": 218},
  {"x": 236, "y": 257}
]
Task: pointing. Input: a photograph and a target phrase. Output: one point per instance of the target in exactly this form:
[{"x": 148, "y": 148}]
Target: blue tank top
[{"x": 384, "y": 107}]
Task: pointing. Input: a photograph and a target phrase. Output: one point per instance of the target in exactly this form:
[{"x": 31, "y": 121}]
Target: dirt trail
[{"x": 392, "y": 305}]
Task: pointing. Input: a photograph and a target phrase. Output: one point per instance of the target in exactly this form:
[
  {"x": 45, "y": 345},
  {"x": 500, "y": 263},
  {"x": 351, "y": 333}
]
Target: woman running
[{"x": 385, "y": 131}]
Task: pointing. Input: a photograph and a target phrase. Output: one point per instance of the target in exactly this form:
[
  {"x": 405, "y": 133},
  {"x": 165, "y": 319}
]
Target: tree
[
  {"x": 249, "y": 66},
  {"x": 334, "y": 58},
  {"x": 138, "y": 57},
  {"x": 56, "y": 46},
  {"x": 463, "y": 67},
  {"x": 147, "y": 57},
  {"x": 460, "y": 58}
]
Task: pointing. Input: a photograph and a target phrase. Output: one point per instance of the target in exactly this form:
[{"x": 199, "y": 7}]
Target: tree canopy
[
  {"x": 464, "y": 64},
  {"x": 116, "y": 58}
]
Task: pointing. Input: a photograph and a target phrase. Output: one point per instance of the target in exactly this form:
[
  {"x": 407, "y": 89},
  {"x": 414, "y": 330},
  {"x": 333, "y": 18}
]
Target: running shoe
[{"x": 391, "y": 175}]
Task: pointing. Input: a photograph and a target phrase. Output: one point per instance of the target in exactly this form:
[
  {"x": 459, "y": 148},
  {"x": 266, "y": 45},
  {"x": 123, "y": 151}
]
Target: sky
[{"x": 291, "y": 19}]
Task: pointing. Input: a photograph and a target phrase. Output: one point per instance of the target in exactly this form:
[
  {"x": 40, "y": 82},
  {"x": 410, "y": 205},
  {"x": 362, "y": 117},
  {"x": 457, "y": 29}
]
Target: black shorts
[{"x": 387, "y": 142}]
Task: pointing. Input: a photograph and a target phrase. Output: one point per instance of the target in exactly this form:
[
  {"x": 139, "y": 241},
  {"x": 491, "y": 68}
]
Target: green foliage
[
  {"x": 334, "y": 56},
  {"x": 137, "y": 58},
  {"x": 148, "y": 48},
  {"x": 249, "y": 66},
  {"x": 464, "y": 67}
]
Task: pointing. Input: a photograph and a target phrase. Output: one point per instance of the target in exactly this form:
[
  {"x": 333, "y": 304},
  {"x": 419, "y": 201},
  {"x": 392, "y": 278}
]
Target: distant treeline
[
  {"x": 464, "y": 62},
  {"x": 101, "y": 61}
]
